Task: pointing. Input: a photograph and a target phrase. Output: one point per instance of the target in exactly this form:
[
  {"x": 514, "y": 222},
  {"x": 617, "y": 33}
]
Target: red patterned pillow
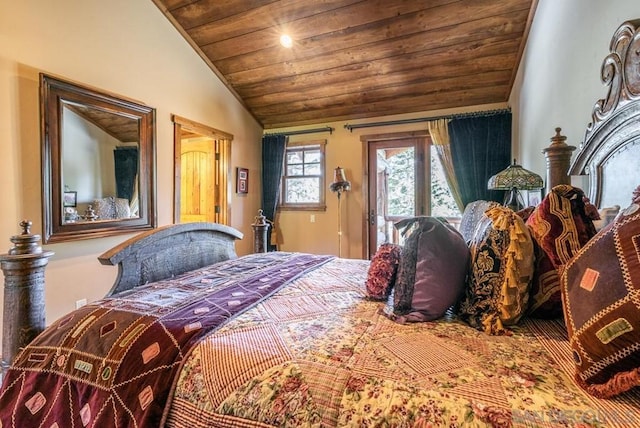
[
  {"x": 559, "y": 227},
  {"x": 382, "y": 271},
  {"x": 600, "y": 289}
]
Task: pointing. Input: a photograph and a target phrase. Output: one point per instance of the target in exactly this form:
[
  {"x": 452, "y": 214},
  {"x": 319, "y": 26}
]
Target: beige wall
[
  {"x": 343, "y": 149},
  {"x": 559, "y": 77},
  {"x": 128, "y": 48}
]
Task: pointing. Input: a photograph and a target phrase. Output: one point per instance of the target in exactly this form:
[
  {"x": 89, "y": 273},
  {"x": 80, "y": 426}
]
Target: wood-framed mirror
[{"x": 98, "y": 162}]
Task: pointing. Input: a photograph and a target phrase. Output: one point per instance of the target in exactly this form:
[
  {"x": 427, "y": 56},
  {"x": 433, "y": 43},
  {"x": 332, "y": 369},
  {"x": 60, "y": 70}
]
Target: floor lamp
[{"x": 340, "y": 184}]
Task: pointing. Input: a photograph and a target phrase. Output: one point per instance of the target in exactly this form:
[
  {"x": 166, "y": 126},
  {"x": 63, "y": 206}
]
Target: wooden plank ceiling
[
  {"x": 122, "y": 128},
  {"x": 356, "y": 59}
]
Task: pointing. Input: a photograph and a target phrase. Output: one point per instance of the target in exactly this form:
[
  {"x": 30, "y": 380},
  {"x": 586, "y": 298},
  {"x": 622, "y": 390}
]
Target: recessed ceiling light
[{"x": 286, "y": 41}]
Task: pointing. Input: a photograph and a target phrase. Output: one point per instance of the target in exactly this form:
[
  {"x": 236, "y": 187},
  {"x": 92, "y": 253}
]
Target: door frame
[
  {"x": 366, "y": 144},
  {"x": 223, "y": 159}
]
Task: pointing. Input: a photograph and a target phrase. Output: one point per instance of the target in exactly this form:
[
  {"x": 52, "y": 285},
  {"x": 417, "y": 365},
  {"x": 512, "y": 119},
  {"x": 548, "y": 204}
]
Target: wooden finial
[
  {"x": 26, "y": 227},
  {"x": 25, "y": 243},
  {"x": 558, "y": 156},
  {"x": 558, "y": 139}
]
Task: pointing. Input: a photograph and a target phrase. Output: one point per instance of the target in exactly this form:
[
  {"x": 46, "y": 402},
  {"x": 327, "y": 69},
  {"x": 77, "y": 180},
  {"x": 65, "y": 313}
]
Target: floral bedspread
[{"x": 319, "y": 354}]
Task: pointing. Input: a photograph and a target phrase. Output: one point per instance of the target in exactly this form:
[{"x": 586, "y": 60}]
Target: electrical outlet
[
  {"x": 80, "y": 303},
  {"x": 312, "y": 218}
]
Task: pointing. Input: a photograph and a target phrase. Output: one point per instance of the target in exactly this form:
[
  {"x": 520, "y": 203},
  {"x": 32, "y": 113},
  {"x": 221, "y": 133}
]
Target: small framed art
[
  {"x": 69, "y": 199},
  {"x": 534, "y": 197},
  {"x": 242, "y": 180}
]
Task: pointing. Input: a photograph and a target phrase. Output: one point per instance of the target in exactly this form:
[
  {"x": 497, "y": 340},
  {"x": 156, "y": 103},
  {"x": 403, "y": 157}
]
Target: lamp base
[{"x": 513, "y": 199}]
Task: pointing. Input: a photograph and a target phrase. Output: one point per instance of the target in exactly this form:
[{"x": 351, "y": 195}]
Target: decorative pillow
[
  {"x": 111, "y": 208},
  {"x": 606, "y": 216},
  {"x": 431, "y": 272},
  {"x": 473, "y": 213},
  {"x": 590, "y": 210},
  {"x": 382, "y": 271},
  {"x": 559, "y": 227},
  {"x": 600, "y": 289},
  {"x": 525, "y": 212},
  {"x": 501, "y": 269}
]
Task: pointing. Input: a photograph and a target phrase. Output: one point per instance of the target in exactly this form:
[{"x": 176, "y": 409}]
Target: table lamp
[{"x": 514, "y": 179}]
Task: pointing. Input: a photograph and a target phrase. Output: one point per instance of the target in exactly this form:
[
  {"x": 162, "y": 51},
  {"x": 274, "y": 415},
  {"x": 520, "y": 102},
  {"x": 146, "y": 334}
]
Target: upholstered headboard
[{"x": 610, "y": 154}]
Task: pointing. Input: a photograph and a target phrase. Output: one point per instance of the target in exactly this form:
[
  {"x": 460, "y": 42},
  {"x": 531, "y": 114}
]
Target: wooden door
[
  {"x": 197, "y": 189},
  {"x": 396, "y": 187},
  {"x": 201, "y": 173}
]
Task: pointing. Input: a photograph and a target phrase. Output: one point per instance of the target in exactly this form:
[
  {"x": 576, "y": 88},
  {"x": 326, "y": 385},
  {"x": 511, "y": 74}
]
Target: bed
[{"x": 193, "y": 336}]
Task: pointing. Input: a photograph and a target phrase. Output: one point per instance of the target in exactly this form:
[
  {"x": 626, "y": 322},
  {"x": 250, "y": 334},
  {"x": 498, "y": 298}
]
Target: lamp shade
[
  {"x": 340, "y": 183},
  {"x": 515, "y": 176}
]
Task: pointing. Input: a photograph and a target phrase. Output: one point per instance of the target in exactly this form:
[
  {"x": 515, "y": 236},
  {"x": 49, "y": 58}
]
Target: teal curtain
[
  {"x": 480, "y": 147},
  {"x": 126, "y": 170},
  {"x": 273, "y": 150}
]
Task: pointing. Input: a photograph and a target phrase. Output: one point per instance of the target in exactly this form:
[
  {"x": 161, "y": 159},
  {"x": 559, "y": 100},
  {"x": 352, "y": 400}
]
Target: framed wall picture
[
  {"x": 534, "y": 197},
  {"x": 69, "y": 199},
  {"x": 242, "y": 180}
]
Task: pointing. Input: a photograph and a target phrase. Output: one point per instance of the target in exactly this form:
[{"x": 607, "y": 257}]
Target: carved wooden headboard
[
  {"x": 610, "y": 154},
  {"x": 169, "y": 251}
]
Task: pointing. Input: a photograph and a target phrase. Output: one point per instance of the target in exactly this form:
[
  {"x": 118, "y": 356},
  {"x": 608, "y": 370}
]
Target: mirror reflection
[
  {"x": 100, "y": 165},
  {"x": 98, "y": 159}
]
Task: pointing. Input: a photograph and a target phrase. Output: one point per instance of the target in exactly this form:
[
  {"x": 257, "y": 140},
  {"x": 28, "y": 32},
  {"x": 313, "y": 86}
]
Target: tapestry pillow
[
  {"x": 600, "y": 288},
  {"x": 431, "y": 273},
  {"x": 382, "y": 271},
  {"x": 500, "y": 272},
  {"x": 559, "y": 227}
]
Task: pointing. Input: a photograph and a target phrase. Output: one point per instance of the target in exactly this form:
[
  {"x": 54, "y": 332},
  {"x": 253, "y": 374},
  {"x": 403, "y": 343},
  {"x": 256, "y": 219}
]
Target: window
[
  {"x": 303, "y": 183},
  {"x": 442, "y": 202}
]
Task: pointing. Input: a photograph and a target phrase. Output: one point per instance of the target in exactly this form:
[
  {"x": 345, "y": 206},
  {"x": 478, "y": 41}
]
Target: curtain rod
[
  {"x": 426, "y": 119},
  {"x": 304, "y": 131}
]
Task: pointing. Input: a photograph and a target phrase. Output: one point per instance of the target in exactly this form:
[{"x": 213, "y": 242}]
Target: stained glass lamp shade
[{"x": 513, "y": 179}]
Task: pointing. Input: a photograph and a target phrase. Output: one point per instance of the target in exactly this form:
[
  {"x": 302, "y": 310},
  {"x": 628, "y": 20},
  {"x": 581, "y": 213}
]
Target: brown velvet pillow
[
  {"x": 559, "y": 227},
  {"x": 600, "y": 289},
  {"x": 382, "y": 271}
]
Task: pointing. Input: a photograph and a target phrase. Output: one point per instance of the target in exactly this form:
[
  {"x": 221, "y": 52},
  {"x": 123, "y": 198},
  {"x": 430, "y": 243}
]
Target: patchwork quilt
[
  {"x": 320, "y": 354},
  {"x": 316, "y": 353},
  {"x": 112, "y": 363}
]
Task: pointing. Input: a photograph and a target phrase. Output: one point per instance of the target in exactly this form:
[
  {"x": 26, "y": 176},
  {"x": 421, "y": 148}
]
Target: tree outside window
[
  {"x": 401, "y": 187},
  {"x": 303, "y": 176}
]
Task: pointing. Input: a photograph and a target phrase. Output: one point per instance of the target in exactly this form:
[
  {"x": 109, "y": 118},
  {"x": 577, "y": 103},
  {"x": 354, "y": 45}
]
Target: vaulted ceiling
[{"x": 355, "y": 59}]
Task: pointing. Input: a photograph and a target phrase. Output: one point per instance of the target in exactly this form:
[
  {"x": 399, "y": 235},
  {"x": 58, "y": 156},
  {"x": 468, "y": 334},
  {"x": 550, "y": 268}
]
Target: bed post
[
  {"x": 23, "y": 314},
  {"x": 260, "y": 229},
  {"x": 558, "y": 156}
]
